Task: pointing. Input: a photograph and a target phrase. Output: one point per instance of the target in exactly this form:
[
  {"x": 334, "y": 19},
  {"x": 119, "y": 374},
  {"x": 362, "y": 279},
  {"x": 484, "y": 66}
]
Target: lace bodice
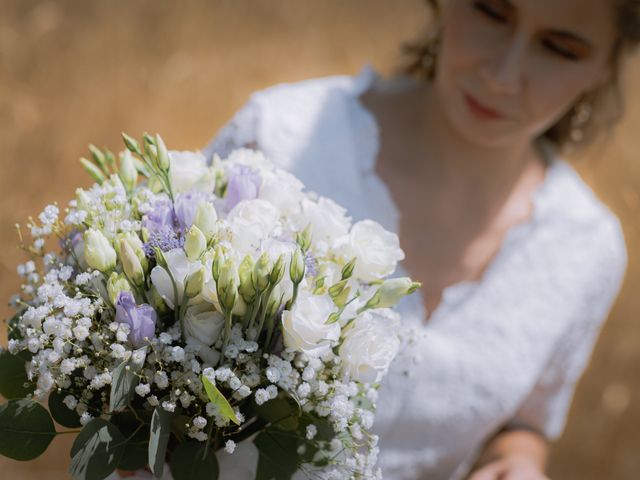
[{"x": 508, "y": 349}]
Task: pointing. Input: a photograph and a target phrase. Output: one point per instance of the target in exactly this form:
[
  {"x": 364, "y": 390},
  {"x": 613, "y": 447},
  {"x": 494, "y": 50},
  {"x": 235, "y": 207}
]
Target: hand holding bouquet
[{"x": 170, "y": 319}]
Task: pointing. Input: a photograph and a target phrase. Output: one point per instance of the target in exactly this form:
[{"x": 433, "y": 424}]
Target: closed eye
[
  {"x": 558, "y": 50},
  {"x": 490, "y": 12}
]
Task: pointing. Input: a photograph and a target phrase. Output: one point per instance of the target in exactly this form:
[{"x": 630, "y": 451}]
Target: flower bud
[
  {"x": 131, "y": 264},
  {"x": 194, "y": 283},
  {"x": 131, "y": 144},
  {"x": 347, "y": 270},
  {"x": 391, "y": 291},
  {"x": 195, "y": 243},
  {"x": 161, "y": 260},
  {"x": 98, "y": 252},
  {"x": 260, "y": 277},
  {"x": 82, "y": 199},
  {"x": 136, "y": 245},
  {"x": 277, "y": 272},
  {"x": 128, "y": 173},
  {"x": 247, "y": 290},
  {"x": 116, "y": 284},
  {"x": 297, "y": 267},
  {"x": 162, "y": 154},
  {"x": 227, "y": 285},
  {"x": 206, "y": 219},
  {"x": 218, "y": 260},
  {"x": 94, "y": 171},
  {"x": 304, "y": 238}
]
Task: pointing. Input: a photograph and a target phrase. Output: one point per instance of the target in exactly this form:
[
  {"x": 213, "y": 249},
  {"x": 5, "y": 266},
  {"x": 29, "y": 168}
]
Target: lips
[{"x": 480, "y": 110}]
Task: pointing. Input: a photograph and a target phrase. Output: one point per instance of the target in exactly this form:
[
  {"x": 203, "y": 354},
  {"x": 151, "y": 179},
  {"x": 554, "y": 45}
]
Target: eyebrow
[{"x": 558, "y": 33}]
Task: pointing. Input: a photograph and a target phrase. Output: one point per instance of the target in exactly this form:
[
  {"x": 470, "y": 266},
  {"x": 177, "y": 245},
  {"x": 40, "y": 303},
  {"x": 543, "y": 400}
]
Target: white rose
[
  {"x": 304, "y": 326},
  {"x": 283, "y": 190},
  {"x": 250, "y": 222},
  {"x": 251, "y": 158},
  {"x": 328, "y": 220},
  {"x": 377, "y": 250},
  {"x": 201, "y": 322},
  {"x": 180, "y": 268},
  {"x": 370, "y": 345},
  {"x": 188, "y": 171}
]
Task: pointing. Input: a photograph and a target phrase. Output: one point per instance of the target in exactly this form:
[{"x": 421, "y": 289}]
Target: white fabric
[{"x": 506, "y": 350}]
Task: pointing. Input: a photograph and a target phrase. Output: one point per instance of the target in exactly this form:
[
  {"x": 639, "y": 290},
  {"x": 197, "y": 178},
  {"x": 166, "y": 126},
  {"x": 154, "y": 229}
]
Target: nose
[{"x": 503, "y": 72}]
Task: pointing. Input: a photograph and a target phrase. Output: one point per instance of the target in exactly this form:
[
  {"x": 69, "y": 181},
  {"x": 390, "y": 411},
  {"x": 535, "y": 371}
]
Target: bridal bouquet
[{"x": 205, "y": 307}]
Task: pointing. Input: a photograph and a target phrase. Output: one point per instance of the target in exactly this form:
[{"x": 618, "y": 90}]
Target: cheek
[{"x": 552, "y": 88}]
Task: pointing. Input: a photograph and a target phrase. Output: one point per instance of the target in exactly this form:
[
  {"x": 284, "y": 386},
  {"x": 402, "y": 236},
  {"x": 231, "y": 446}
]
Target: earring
[
  {"x": 430, "y": 56},
  {"x": 579, "y": 119}
]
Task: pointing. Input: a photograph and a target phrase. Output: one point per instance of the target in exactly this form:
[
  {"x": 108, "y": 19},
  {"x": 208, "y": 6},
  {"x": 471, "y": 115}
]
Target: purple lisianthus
[
  {"x": 141, "y": 318},
  {"x": 161, "y": 217},
  {"x": 244, "y": 184},
  {"x": 186, "y": 206}
]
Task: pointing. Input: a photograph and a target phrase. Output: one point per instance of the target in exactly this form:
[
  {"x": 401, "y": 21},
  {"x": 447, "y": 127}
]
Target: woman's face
[{"x": 509, "y": 69}]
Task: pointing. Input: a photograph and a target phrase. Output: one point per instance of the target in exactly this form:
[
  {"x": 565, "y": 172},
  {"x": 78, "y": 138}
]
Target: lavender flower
[
  {"x": 186, "y": 206},
  {"x": 141, "y": 318},
  {"x": 244, "y": 184},
  {"x": 165, "y": 239},
  {"x": 161, "y": 217}
]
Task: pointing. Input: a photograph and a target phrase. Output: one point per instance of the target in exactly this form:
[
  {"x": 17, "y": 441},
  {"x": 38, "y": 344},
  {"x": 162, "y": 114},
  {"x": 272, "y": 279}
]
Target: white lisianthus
[
  {"x": 377, "y": 250},
  {"x": 180, "y": 268},
  {"x": 250, "y": 222},
  {"x": 98, "y": 252},
  {"x": 189, "y": 171},
  {"x": 328, "y": 221},
  {"x": 370, "y": 345},
  {"x": 203, "y": 323},
  {"x": 305, "y": 328},
  {"x": 281, "y": 189}
]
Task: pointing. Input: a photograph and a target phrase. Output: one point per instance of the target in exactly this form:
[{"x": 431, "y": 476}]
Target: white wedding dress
[{"x": 506, "y": 350}]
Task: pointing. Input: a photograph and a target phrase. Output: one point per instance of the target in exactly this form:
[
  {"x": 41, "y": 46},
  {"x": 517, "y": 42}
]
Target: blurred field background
[{"x": 79, "y": 72}]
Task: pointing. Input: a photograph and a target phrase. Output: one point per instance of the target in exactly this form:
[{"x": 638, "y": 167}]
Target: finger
[{"x": 493, "y": 471}]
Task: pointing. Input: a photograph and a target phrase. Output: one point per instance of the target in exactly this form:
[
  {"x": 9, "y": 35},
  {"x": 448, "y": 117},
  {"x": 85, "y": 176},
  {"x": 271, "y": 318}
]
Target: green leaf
[
  {"x": 279, "y": 412},
  {"x": 136, "y": 448},
  {"x": 278, "y": 458},
  {"x": 124, "y": 381},
  {"x": 26, "y": 429},
  {"x": 218, "y": 399},
  {"x": 158, "y": 439},
  {"x": 96, "y": 451},
  {"x": 60, "y": 412},
  {"x": 13, "y": 376},
  {"x": 194, "y": 461}
]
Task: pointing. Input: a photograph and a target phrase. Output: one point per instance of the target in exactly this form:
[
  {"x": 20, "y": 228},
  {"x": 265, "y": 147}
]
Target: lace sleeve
[
  {"x": 546, "y": 407},
  {"x": 240, "y": 131}
]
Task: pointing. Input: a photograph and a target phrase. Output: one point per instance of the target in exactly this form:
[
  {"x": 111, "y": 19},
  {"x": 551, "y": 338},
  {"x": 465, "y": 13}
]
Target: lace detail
[{"x": 507, "y": 349}]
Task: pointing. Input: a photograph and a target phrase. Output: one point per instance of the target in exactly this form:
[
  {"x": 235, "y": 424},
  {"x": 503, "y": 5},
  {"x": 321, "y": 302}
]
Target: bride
[{"x": 520, "y": 262}]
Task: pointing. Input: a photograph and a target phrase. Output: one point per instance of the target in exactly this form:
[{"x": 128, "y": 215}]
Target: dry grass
[{"x": 78, "y": 72}]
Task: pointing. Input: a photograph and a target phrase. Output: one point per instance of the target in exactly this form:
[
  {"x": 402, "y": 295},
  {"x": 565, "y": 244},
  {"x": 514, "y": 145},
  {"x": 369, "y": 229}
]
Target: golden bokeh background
[{"x": 79, "y": 72}]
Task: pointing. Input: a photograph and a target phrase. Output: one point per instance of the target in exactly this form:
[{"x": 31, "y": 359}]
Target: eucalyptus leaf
[
  {"x": 218, "y": 399},
  {"x": 26, "y": 429},
  {"x": 136, "y": 448},
  {"x": 124, "y": 381},
  {"x": 13, "y": 376},
  {"x": 194, "y": 461},
  {"x": 158, "y": 439},
  {"x": 279, "y": 412},
  {"x": 278, "y": 457},
  {"x": 60, "y": 412},
  {"x": 97, "y": 450}
]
